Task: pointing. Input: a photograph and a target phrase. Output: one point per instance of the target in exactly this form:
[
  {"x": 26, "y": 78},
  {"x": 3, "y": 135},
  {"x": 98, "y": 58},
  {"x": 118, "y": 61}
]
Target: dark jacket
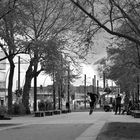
[
  {"x": 93, "y": 97},
  {"x": 118, "y": 100}
]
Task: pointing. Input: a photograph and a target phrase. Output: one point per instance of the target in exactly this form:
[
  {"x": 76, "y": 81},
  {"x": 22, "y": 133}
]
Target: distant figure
[
  {"x": 67, "y": 106},
  {"x": 129, "y": 107},
  {"x": 118, "y": 104},
  {"x": 93, "y": 98},
  {"x": 125, "y": 104}
]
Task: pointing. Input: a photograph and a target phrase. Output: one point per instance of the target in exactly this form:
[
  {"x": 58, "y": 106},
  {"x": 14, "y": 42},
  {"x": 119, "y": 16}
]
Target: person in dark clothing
[
  {"x": 118, "y": 104},
  {"x": 67, "y": 105},
  {"x": 93, "y": 98}
]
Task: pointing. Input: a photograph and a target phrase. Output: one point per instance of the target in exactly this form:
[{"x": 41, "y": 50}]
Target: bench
[
  {"x": 56, "y": 112},
  {"x": 39, "y": 114},
  {"x": 64, "y": 111},
  {"x": 132, "y": 112},
  {"x": 49, "y": 113},
  {"x": 5, "y": 117},
  {"x": 136, "y": 113}
]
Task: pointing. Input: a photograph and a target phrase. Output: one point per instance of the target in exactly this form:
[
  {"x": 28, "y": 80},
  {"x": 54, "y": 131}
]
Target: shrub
[
  {"x": 41, "y": 106},
  {"x": 3, "y": 110},
  {"x": 18, "y": 109},
  {"x": 49, "y": 106}
]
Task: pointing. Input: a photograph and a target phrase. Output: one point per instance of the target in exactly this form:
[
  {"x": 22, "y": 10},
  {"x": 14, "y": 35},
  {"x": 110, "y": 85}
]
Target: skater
[{"x": 93, "y": 98}]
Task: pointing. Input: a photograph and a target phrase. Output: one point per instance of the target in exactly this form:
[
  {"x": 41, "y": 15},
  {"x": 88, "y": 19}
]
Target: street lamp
[{"x": 68, "y": 88}]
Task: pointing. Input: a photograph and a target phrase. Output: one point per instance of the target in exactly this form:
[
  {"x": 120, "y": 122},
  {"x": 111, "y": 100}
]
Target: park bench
[
  {"x": 136, "y": 113},
  {"x": 132, "y": 112},
  {"x": 64, "y": 111},
  {"x": 5, "y": 117},
  {"x": 49, "y": 113},
  {"x": 56, "y": 112},
  {"x": 39, "y": 114}
]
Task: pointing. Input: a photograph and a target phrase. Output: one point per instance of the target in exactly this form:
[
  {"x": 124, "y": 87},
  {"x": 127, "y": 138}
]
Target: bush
[
  {"x": 18, "y": 109},
  {"x": 41, "y": 106},
  {"x": 49, "y": 106},
  {"x": 3, "y": 110}
]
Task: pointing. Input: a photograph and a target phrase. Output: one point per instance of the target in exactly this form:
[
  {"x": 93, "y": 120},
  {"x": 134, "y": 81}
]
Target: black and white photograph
[{"x": 69, "y": 69}]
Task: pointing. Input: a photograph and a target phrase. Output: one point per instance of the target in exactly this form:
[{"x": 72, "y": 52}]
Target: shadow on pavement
[{"x": 8, "y": 124}]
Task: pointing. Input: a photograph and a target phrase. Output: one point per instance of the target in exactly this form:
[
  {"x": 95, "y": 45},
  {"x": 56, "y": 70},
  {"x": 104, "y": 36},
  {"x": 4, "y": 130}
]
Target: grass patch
[{"x": 120, "y": 130}]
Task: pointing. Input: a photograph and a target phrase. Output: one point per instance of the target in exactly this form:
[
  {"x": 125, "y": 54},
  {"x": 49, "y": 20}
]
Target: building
[{"x": 3, "y": 90}]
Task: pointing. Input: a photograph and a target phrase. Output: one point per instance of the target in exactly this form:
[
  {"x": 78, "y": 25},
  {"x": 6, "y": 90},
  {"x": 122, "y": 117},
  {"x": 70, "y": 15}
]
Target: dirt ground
[{"x": 120, "y": 131}]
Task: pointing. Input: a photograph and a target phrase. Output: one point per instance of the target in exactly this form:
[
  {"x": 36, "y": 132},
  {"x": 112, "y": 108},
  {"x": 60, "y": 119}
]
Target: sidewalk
[
  {"x": 102, "y": 123},
  {"x": 116, "y": 127}
]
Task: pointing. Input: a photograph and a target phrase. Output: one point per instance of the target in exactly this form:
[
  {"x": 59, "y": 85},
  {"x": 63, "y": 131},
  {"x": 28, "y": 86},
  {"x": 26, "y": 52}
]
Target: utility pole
[
  {"x": 54, "y": 107},
  {"x": 85, "y": 89},
  {"x": 68, "y": 88},
  {"x": 138, "y": 86},
  {"x": 97, "y": 87},
  {"x": 18, "y": 73},
  {"x": 59, "y": 95},
  {"x": 99, "y": 99},
  {"x": 92, "y": 85},
  {"x": 35, "y": 82},
  {"x": 95, "y": 91},
  {"x": 104, "y": 79}
]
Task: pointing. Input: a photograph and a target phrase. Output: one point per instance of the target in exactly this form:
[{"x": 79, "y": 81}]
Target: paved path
[{"x": 88, "y": 126}]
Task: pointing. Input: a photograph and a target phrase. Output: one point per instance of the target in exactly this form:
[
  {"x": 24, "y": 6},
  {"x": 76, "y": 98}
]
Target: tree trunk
[
  {"x": 10, "y": 85},
  {"x": 26, "y": 89},
  {"x": 27, "y": 86}
]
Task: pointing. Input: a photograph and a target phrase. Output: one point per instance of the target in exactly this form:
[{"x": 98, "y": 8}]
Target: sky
[{"x": 98, "y": 52}]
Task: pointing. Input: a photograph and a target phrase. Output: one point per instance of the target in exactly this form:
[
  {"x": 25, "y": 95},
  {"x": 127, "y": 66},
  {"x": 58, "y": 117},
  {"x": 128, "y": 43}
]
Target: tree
[
  {"x": 125, "y": 68},
  {"x": 118, "y": 18},
  {"x": 109, "y": 15},
  {"x": 10, "y": 43},
  {"x": 45, "y": 21},
  {"x": 7, "y": 6},
  {"x": 56, "y": 65},
  {"x": 122, "y": 65}
]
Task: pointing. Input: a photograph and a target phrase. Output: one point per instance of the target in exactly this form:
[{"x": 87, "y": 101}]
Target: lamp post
[
  {"x": 85, "y": 90},
  {"x": 104, "y": 79},
  {"x": 18, "y": 72},
  {"x": 68, "y": 88},
  {"x": 35, "y": 82},
  {"x": 138, "y": 86},
  {"x": 54, "y": 101}
]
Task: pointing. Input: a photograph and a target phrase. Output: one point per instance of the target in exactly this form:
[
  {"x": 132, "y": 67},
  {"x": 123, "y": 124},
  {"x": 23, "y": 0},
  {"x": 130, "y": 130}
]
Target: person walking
[
  {"x": 118, "y": 104},
  {"x": 93, "y": 100}
]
